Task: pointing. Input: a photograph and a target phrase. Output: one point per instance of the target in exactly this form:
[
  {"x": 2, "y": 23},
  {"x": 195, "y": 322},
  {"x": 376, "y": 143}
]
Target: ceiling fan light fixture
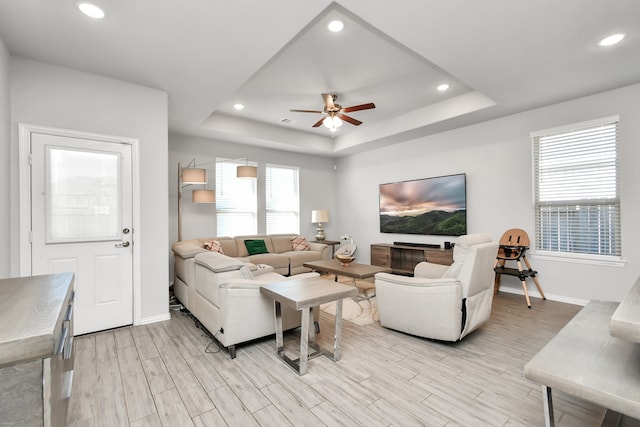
[
  {"x": 332, "y": 122},
  {"x": 335, "y": 26}
]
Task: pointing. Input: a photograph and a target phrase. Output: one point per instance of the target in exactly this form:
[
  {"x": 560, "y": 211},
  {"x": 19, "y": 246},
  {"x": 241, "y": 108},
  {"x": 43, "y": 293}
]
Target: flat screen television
[{"x": 429, "y": 206}]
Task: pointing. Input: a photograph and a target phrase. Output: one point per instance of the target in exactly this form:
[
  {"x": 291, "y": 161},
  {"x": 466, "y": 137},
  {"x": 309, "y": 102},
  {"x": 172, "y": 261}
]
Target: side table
[
  {"x": 304, "y": 295},
  {"x": 331, "y": 243}
]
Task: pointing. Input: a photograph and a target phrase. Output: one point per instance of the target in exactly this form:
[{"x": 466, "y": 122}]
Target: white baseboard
[
  {"x": 154, "y": 319},
  {"x": 551, "y": 297}
]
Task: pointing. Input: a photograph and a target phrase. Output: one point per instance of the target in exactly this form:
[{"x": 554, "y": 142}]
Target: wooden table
[
  {"x": 304, "y": 295},
  {"x": 331, "y": 243},
  {"x": 353, "y": 270}
]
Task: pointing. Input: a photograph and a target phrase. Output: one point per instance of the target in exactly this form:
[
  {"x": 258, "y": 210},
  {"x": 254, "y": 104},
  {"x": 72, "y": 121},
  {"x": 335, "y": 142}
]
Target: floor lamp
[
  {"x": 193, "y": 175},
  {"x": 188, "y": 176}
]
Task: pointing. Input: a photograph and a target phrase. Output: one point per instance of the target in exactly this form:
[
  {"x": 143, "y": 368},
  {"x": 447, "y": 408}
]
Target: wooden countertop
[{"x": 31, "y": 309}]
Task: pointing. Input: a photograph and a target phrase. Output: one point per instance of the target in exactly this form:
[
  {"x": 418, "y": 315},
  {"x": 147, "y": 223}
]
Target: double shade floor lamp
[{"x": 192, "y": 175}]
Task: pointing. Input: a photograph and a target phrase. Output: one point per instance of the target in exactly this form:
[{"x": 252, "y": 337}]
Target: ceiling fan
[{"x": 335, "y": 112}]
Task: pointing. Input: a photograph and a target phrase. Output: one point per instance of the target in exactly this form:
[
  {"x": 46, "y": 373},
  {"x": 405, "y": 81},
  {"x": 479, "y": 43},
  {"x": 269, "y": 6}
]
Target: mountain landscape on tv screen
[{"x": 440, "y": 223}]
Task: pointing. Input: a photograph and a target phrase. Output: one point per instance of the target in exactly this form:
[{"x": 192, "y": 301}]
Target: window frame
[
  {"x": 295, "y": 212},
  {"x": 577, "y": 257},
  {"x": 221, "y": 211}
]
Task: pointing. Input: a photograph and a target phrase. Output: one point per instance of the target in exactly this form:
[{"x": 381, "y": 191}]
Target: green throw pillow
[{"x": 255, "y": 247}]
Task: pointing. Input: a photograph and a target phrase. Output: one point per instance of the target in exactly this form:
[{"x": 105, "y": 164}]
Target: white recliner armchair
[
  {"x": 441, "y": 302},
  {"x": 228, "y": 302}
]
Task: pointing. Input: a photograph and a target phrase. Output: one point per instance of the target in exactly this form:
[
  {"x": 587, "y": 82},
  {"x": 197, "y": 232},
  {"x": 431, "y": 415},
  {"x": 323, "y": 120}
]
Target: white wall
[
  {"x": 496, "y": 156},
  {"x": 317, "y": 185},
  {"x": 5, "y": 143},
  {"x": 59, "y": 97}
]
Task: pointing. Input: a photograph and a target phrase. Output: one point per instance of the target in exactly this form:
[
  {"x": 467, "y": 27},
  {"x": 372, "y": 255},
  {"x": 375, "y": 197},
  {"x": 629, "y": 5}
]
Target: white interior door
[{"x": 81, "y": 221}]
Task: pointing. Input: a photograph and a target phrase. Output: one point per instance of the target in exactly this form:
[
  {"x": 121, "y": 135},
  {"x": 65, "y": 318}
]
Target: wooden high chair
[{"x": 513, "y": 247}]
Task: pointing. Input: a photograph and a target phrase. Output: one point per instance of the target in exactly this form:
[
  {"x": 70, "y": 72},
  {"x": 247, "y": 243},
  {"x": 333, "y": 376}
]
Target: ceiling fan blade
[
  {"x": 318, "y": 123},
  {"x": 306, "y": 111},
  {"x": 328, "y": 101},
  {"x": 359, "y": 107},
  {"x": 350, "y": 120}
]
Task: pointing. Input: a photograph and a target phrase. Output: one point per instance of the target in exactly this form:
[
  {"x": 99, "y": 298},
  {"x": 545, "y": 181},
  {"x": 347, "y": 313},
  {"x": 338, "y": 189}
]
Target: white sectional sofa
[
  {"x": 281, "y": 257},
  {"x": 223, "y": 290}
]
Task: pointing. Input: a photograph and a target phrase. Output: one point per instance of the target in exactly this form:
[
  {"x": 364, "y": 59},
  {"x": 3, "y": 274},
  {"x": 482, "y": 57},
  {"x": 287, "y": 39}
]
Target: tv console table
[{"x": 402, "y": 259}]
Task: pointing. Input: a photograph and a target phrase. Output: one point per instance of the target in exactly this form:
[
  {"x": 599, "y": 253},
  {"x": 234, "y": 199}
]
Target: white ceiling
[{"x": 499, "y": 56}]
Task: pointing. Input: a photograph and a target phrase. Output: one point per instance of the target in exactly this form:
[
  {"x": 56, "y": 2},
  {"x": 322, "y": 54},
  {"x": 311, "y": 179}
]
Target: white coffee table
[{"x": 304, "y": 295}]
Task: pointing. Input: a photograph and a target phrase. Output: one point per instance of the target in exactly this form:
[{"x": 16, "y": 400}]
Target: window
[
  {"x": 236, "y": 201},
  {"x": 282, "y": 200},
  {"x": 577, "y": 204}
]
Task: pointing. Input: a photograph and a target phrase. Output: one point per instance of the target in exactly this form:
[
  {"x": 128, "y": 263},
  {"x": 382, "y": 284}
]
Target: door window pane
[{"x": 83, "y": 196}]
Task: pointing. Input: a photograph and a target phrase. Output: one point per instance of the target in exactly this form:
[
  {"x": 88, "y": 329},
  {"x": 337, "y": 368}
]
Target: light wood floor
[{"x": 160, "y": 375}]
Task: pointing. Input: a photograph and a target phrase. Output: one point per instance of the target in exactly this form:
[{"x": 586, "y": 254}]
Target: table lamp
[{"x": 319, "y": 217}]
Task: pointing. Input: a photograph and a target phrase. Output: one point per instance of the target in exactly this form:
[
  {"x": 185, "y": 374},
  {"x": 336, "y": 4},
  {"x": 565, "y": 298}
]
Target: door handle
[{"x": 124, "y": 244}]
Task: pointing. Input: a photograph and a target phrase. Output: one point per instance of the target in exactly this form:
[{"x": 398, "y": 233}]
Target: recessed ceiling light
[
  {"x": 91, "y": 10},
  {"x": 611, "y": 40},
  {"x": 443, "y": 87},
  {"x": 238, "y": 107},
  {"x": 335, "y": 26}
]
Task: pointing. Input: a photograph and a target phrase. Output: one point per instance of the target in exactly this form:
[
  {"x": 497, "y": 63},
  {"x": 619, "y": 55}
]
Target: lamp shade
[
  {"x": 319, "y": 216},
  {"x": 247, "y": 172},
  {"x": 203, "y": 196},
  {"x": 194, "y": 176}
]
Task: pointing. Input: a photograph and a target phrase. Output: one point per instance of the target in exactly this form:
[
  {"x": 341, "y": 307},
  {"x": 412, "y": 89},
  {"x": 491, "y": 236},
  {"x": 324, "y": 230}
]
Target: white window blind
[
  {"x": 236, "y": 201},
  {"x": 282, "y": 200},
  {"x": 577, "y": 202}
]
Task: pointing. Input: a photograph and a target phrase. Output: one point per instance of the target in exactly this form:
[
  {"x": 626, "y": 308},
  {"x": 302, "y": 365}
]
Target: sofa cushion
[
  {"x": 280, "y": 262},
  {"x": 297, "y": 258},
  {"x": 213, "y": 246},
  {"x": 218, "y": 263},
  {"x": 242, "y": 248},
  {"x": 281, "y": 242},
  {"x": 188, "y": 248},
  {"x": 299, "y": 243},
  {"x": 255, "y": 247},
  {"x": 228, "y": 245}
]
